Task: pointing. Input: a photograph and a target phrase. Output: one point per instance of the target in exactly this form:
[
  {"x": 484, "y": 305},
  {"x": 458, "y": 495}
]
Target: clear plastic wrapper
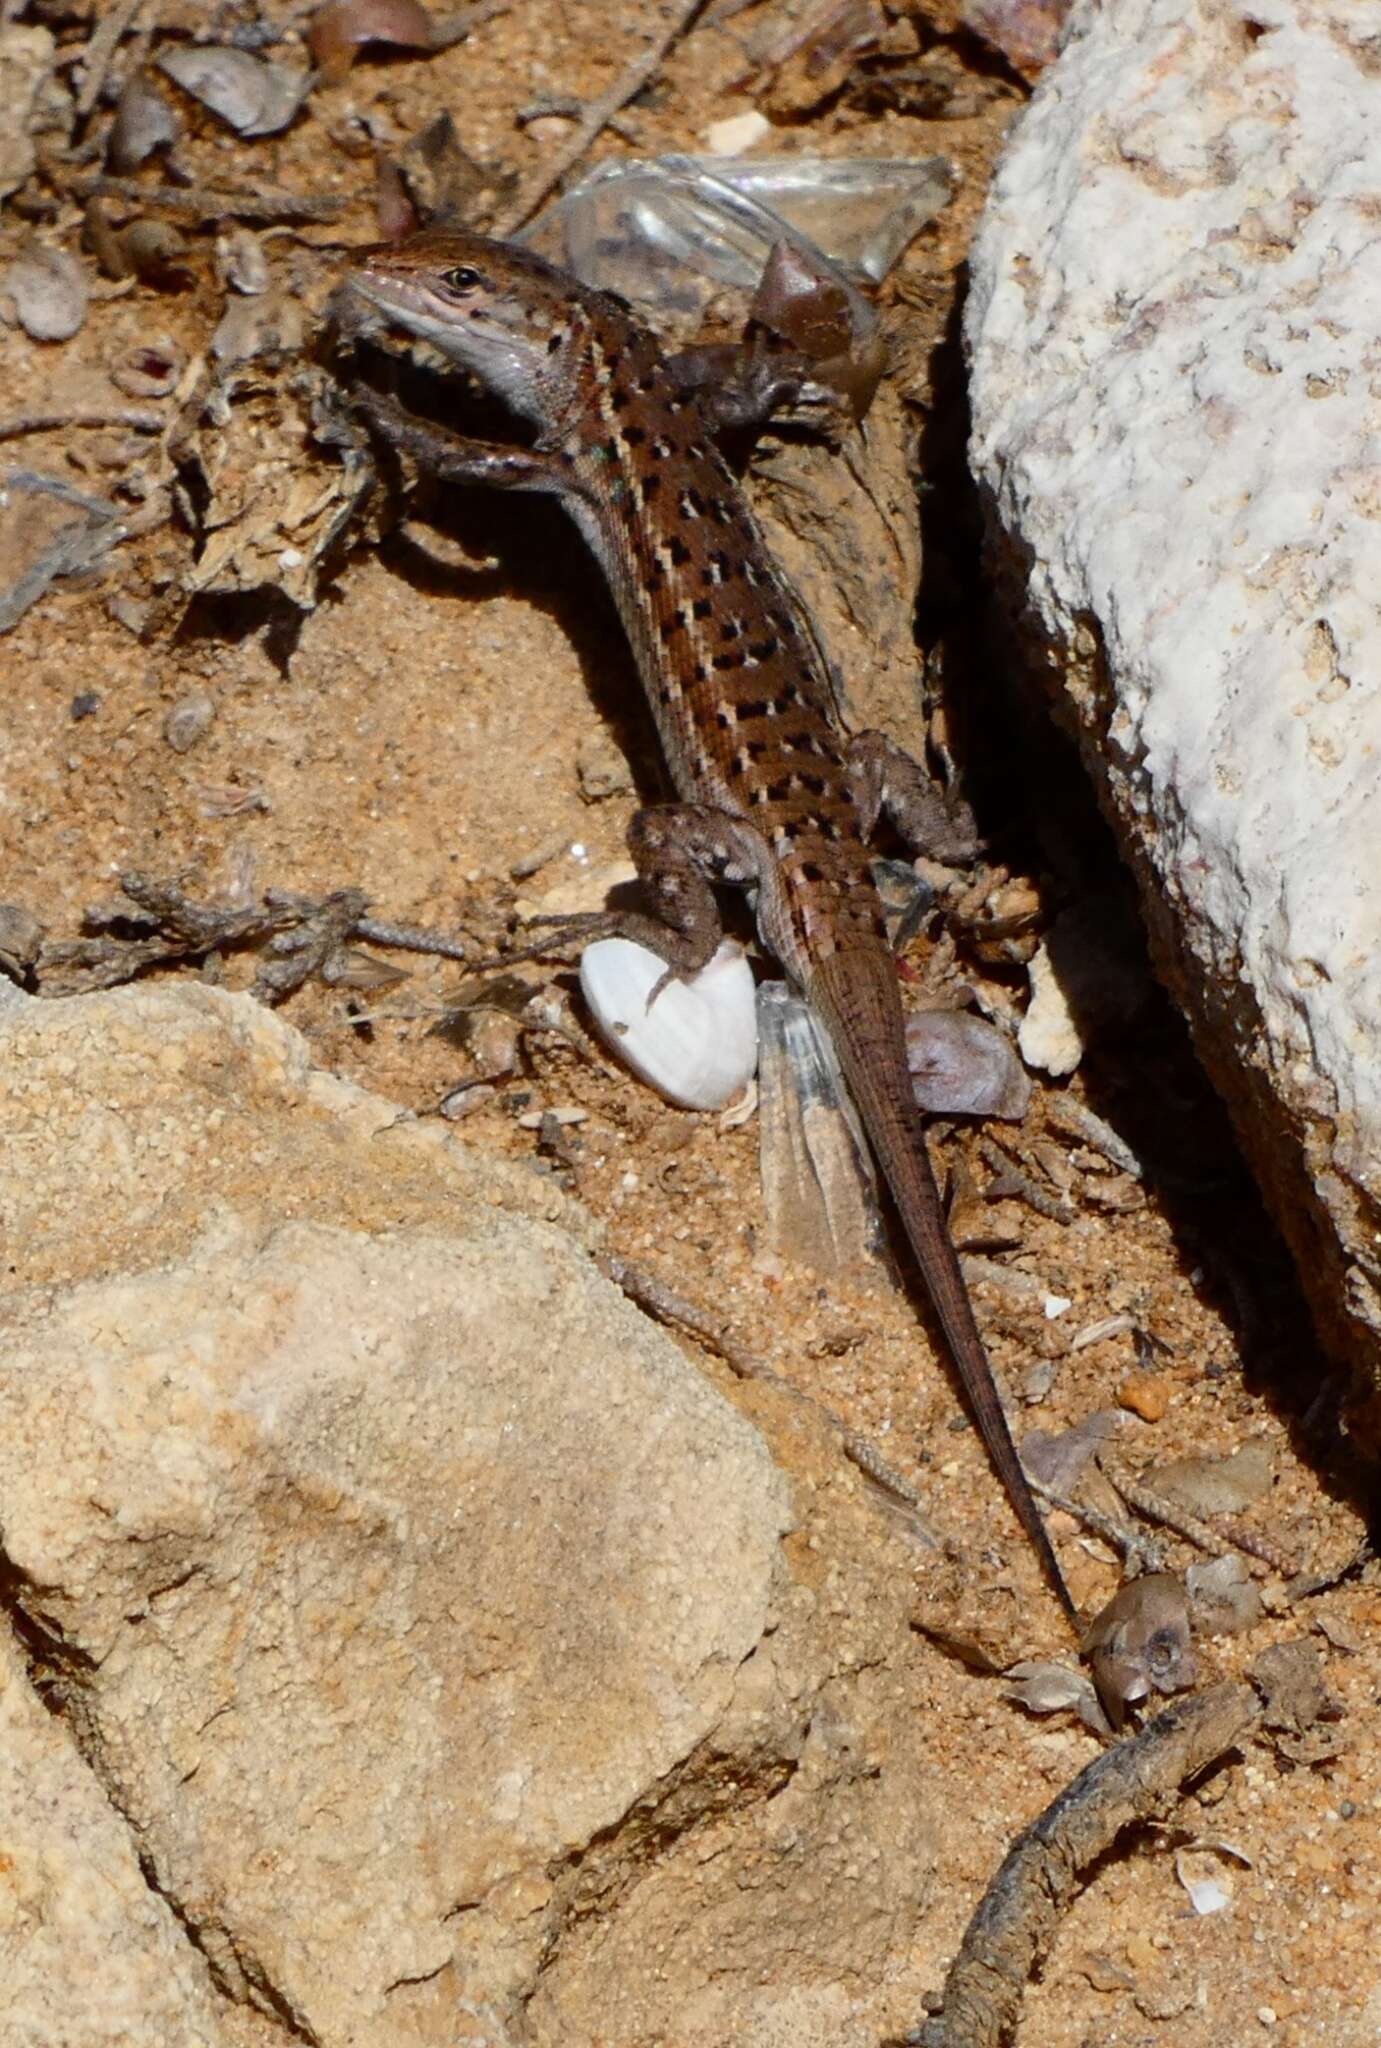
[{"x": 686, "y": 239}]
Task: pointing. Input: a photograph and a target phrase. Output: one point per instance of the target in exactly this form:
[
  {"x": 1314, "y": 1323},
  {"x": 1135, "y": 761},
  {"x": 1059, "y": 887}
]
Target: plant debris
[
  {"x": 1139, "y": 1780},
  {"x": 251, "y": 96},
  {"x": 48, "y": 529},
  {"x": 1139, "y": 1643}
]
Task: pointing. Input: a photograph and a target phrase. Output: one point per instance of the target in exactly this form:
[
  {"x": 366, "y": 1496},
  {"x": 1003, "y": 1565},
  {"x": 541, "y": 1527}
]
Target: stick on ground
[
  {"x": 597, "y": 117},
  {"x": 1138, "y": 1781}
]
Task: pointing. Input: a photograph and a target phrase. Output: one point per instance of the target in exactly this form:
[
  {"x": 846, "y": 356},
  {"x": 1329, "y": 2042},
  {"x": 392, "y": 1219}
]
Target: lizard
[{"x": 772, "y": 796}]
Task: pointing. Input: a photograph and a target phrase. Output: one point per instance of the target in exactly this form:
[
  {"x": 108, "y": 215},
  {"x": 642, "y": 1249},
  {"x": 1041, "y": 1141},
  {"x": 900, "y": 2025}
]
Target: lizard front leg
[
  {"x": 457, "y": 459},
  {"x": 681, "y": 851}
]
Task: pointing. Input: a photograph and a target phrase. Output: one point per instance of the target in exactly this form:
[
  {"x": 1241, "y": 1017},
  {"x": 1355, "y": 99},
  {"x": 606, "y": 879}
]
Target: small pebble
[
  {"x": 1146, "y": 1394},
  {"x": 603, "y": 770},
  {"x": 188, "y": 721},
  {"x": 736, "y": 133},
  {"x": 84, "y": 705}
]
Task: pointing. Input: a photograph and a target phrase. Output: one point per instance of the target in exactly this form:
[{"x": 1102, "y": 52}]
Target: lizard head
[{"x": 496, "y": 309}]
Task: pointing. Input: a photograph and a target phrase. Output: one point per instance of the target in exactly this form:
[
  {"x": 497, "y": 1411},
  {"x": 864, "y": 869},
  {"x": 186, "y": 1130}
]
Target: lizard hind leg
[
  {"x": 892, "y": 783},
  {"x": 681, "y": 852}
]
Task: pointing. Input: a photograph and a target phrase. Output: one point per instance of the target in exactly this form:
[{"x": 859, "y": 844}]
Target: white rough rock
[{"x": 1175, "y": 339}]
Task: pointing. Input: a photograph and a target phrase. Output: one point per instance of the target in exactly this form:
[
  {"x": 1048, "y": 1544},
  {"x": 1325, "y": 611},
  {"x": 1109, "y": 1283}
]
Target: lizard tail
[{"x": 856, "y": 994}]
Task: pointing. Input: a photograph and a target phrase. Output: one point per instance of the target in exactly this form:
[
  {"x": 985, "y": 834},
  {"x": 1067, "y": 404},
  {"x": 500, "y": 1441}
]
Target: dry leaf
[
  {"x": 1059, "y": 1461},
  {"x": 49, "y": 290},
  {"x": 144, "y": 122},
  {"x": 1027, "y": 32},
  {"x": 1224, "y": 1598},
  {"x": 963, "y": 1066},
  {"x": 1216, "y": 1486},
  {"x": 340, "y": 31},
  {"x": 1045, "y": 1687},
  {"x": 250, "y": 96}
]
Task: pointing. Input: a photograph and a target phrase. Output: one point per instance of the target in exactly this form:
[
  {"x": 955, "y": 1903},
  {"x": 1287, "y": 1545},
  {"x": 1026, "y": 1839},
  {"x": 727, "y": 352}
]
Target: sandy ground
[{"x": 419, "y": 736}]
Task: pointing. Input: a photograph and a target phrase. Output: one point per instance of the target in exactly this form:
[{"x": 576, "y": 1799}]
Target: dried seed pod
[
  {"x": 1140, "y": 1643},
  {"x": 148, "y": 370},
  {"x": 155, "y": 252},
  {"x": 340, "y": 31}
]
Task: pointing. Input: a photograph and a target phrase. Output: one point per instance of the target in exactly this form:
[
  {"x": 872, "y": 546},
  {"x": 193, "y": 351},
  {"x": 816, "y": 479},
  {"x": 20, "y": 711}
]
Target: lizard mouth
[{"x": 478, "y": 339}]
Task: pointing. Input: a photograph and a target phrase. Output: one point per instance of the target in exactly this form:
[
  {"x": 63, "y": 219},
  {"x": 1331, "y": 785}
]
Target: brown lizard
[{"x": 773, "y": 797}]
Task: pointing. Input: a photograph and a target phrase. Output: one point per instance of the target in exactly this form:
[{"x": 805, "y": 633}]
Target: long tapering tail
[{"x": 855, "y": 993}]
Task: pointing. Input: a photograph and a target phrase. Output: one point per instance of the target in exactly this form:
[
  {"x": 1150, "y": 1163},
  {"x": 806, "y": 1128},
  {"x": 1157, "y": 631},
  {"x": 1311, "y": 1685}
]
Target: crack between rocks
[
  {"x": 59, "y": 1673},
  {"x": 275, "y": 2005},
  {"x": 650, "y": 1841}
]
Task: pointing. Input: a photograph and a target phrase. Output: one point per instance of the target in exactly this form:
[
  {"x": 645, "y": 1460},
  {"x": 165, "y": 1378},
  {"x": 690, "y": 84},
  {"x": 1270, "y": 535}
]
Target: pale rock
[
  {"x": 1173, "y": 333},
  {"x": 737, "y": 132},
  {"x": 90, "y": 1955},
  {"x": 349, "y": 1687},
  {"x": 412, "y": 1605},
  {"x": 1048, "y": 1035},
  {"x": 26, "y": 66}
]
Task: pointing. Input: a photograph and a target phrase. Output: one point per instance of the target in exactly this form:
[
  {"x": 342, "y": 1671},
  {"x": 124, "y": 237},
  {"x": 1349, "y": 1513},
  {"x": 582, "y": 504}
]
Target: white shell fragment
[{"x": 698, "y": 1042}]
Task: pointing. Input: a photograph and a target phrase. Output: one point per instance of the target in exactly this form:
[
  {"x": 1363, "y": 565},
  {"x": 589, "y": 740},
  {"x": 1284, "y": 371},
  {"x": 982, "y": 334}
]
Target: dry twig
[
  {"x": 100, "y": 52},
  {"x": 141, "y": 419},
  {"x": 597, "y": 116},
  {"x": 203, "y": 202},
  {"x": 668, "y": 1306},
  {"x": 1138, "y": 1781},
  {"x": 1201, "y": 1534}
]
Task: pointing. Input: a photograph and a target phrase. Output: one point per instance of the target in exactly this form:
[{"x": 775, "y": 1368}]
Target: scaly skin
[{"x": 772, "y": 794}]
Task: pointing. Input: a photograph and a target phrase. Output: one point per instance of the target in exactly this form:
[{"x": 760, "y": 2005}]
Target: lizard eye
[{"x": 460, "y": 280}]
